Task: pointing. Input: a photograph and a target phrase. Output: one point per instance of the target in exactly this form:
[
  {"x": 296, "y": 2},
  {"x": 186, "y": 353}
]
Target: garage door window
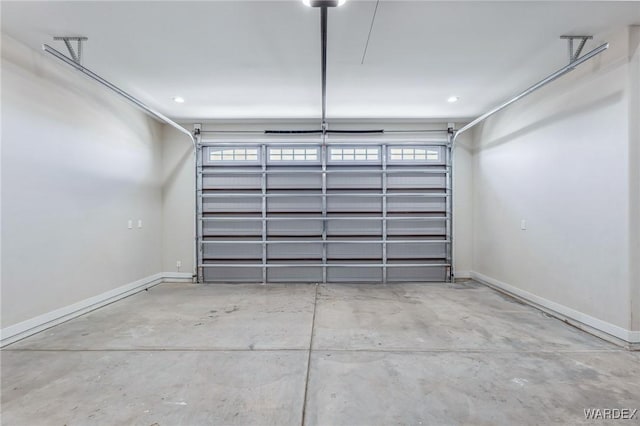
[
  {"x": 233, "y": 155},
  {"x": 293, "y": 154},
  {"x": 354, "y": 154},
  {"x": 411, "y": 154}
]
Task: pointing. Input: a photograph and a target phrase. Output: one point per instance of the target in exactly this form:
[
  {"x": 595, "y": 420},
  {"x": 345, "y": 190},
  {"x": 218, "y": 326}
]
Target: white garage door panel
[
  {"x": 294, "y": 227},
  {"x": 240, "y": 273},
  {"x": 354, "y": 274},
  {"x": 302, "y": 274},
  {"x": 290, "y": 203},
  {"x": 282, "y": 212},
  {"x": 292, "y": 250},
  {"x": 299, "y": 181},
  {"x": 363, "y": 227},
  {"x": 233, "y": 227}
]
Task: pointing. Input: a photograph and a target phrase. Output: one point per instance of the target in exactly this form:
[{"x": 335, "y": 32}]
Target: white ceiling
[{"x": 261, "y": 59}]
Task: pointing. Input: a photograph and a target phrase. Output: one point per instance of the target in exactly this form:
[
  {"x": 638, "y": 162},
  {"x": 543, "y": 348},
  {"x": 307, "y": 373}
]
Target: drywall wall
[
  {"x": 559, "y": 161},
  {"x": 179, "y": 185},
  {"x": 178, "y": 201},
  {"x": 462, "y": 206},
  {"x": 634, "y": 169},
  {"x": 77, "y": 163}
]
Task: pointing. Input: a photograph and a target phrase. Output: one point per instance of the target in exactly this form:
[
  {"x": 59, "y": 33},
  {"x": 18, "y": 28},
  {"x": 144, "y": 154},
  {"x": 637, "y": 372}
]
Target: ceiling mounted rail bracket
[
  {"x": 74, "y": 62},
  {"x": 575, "y": 54},
  {"x": 87, "y": 72},
  {"x": 574, "y": 60},
  {"x": 76, "y": 54}
]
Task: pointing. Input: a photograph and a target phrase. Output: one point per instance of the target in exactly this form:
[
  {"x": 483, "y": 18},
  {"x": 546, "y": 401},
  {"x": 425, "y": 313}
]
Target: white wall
[
  {"x": 559, "y": 160},
  {"x": 179, "y": 184},
  {"x": 634, "y": 167},
  {"x": 77, "y": 163},
  {"x": 463, "y": 206},
  {"x": 178, "y": 201}
]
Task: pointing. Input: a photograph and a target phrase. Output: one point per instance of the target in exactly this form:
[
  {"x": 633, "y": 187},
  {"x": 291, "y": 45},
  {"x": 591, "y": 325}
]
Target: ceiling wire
[{"x": 373, "y": 19}]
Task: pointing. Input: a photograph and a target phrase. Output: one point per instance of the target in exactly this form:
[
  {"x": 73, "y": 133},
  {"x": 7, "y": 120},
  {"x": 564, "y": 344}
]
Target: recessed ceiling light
[
  {"x": 324, "y": 3},
  {"x": 453, "y": 99},
  {"x": 178, "y": 99}
]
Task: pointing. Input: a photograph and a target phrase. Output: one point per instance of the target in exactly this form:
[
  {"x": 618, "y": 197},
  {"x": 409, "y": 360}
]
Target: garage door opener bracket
[
  {"x": 574, "y": 55},
  {"x": 76, "y": 54},
  {"x": 575, "y": 59}
]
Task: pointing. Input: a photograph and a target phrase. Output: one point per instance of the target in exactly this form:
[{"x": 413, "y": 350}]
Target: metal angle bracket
[
  {"x": 575, "y": 54},
  {"x": 196, "y": 132},
  {"x": 76, "y": 54},
  {"x": 451, "y": 131}
]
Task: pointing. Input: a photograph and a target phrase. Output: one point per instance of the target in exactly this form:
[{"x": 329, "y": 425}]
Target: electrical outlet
[
  {"x": 139, "y": 223},
  {"x": 130, "y": 224},
  {"x": 523, "y": 225},
  {"x": 178, "y": 264}
]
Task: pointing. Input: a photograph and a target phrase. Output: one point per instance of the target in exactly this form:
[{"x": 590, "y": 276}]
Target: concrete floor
[{"x": 436, "y": 354}]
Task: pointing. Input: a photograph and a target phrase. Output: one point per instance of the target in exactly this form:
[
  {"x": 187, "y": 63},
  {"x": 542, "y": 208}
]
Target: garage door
[{"x": 338, "y": 211}]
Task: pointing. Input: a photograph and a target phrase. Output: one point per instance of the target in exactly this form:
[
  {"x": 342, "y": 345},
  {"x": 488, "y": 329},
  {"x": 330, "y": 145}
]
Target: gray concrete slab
[
  {"x": 473, "y": 388},
  {"x": 187, "y": 316},
  {"x": 382, "y": 354},
  {"x": 437, "y": 317},
  {"x": 152, "y": 388}
]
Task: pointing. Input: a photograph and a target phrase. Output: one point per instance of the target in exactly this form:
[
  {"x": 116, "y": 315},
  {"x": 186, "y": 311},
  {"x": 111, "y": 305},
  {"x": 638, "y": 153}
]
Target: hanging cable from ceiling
[{"x": 373, "y": 20}]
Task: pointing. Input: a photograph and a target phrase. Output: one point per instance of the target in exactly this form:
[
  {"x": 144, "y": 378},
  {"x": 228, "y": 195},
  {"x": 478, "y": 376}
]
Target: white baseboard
[
  {"x": 23, "y": 329},
  {"x": 598, "y": 327},
  {"x": 177, "y": 277}
]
